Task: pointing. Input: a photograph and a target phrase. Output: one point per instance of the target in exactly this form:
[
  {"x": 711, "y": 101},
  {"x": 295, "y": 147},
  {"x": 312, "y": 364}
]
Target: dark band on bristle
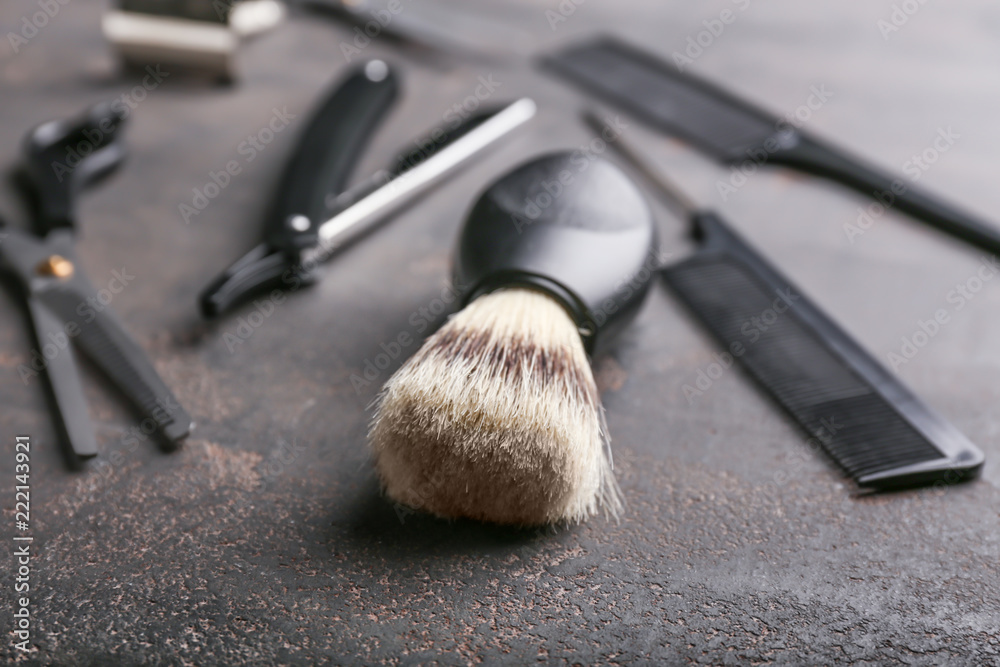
[{"x": 507, "y": 359}]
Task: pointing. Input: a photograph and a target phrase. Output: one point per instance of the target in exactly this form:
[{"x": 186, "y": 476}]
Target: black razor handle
[
  {"x": 573, "y": 227},
  {"x": 327, "y": 152},
  {"x": 319, "y": 171}
]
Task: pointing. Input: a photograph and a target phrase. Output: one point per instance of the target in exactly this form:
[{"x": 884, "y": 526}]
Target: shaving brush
[{"x": 497, "y": 417}]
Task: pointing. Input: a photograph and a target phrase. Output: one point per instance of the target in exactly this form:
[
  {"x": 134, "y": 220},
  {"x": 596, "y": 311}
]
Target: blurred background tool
[
  {"x": 875, "y": 428},
  {"x": 64, "y": 306},
  {"x": 453, "y": 31},
  {"x": 735, "y": 132},
  {"x": 199, "y": 35}
]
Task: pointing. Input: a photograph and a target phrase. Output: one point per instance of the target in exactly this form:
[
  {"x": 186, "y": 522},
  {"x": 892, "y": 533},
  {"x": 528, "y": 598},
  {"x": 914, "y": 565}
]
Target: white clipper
[{"x": 202, "y": 36}]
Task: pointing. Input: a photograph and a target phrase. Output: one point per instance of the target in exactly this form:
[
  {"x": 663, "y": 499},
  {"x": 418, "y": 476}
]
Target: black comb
[
  {"x": 878, "y": 431},
  {"x": 736, "y": 132}
]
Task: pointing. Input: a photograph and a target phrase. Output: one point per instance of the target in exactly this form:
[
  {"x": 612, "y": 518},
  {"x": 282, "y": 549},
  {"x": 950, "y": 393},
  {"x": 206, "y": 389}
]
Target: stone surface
[{"x": 265, "y": 541}]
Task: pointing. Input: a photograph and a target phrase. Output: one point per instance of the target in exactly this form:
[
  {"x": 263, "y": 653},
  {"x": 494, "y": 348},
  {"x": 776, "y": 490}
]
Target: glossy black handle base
[
  {"x": 580, "y": 231},
  {"x": 811, "y": 156}
]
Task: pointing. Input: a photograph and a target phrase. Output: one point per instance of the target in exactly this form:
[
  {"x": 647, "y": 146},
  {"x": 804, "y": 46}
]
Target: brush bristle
[{"x": 497, "y": 418}]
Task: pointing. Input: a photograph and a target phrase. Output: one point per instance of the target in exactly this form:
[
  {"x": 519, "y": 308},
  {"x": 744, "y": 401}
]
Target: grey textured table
[{"x": 265, "y": 540}]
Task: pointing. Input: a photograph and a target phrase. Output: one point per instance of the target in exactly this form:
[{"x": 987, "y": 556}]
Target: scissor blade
[
  {"x": 105, "y": 341},
  {"x": 64, "y": 380}
]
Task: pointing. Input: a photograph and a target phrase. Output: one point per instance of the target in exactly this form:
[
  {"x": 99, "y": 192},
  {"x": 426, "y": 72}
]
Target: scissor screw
[{"x": 55, "y": 265}]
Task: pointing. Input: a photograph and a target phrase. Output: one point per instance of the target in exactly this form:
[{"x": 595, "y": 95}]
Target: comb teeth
[{"x": 825, "y": 381}]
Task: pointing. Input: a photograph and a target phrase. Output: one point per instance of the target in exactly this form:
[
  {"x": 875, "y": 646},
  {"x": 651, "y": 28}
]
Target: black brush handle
[
  {"x": 580, "y": 232},
  {"x": 814, "y": 157}
]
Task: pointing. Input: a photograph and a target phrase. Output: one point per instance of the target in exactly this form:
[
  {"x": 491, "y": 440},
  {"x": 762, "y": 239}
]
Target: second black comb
[{"x": 876, "y": 429}]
